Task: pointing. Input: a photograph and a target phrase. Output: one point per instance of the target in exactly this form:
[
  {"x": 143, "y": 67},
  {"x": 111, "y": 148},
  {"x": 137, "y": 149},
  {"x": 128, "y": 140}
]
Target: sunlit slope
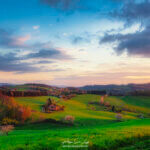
[
  {"x": 79, "y": 108},
  {"x": 76, "y": 108},
  {"x": 137, "y": 104}
]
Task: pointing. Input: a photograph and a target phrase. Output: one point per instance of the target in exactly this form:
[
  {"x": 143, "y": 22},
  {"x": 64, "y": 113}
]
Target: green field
[{"x": 93, "y": 125}]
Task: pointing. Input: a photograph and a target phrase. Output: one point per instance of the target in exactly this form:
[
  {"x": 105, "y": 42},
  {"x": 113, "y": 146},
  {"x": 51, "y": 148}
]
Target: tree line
[{"x": 24, "y": 93}]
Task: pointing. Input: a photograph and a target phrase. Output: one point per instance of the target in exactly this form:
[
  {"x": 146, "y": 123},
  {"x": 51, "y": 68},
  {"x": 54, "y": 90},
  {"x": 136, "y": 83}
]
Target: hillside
[
  {"x": 114, "y": 86},
  {"x": 93, "y": 124},
  {"x": 32, "y": 89},
  {"x": 112, "y": 89},
  {"x": 78, "y": 107},
  {"x": 119, "y": 89}
]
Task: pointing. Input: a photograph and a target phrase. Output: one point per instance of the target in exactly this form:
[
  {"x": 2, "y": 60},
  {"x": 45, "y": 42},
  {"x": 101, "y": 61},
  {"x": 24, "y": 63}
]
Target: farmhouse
[{"x": 51, "y": 106}]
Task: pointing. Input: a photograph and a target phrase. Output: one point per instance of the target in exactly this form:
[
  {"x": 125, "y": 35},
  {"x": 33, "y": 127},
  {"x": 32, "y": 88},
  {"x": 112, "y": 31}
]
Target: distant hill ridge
[
  {"x": 6, "y": 84},
  {"x": 118, "y": 88},
  {"x": 110, "y": 88}
]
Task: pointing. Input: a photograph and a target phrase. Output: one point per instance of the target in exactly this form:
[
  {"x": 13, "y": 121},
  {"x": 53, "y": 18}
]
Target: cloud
[
  {"x": 49, "y": 54},
  {"x": 79, "y": 5},
  {"x": 11, "y": 62},
  {"x": 137, "y": 43},
  {"x": 132, "y": 11},
  {"x": 62, "y": 4},
  {"x": 52, "y": 53},
  {"x": 36, "y": 27},
  {"x": 41, "y": 52},
  {"x": 79, "y": 40},
  {"x": 45, "y": 62},
  {"x": 9, "y": 40}
]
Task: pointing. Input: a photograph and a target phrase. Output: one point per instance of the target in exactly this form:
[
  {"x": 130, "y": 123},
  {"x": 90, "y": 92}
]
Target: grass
[
  {"x": 141, "y": 101},
  {"x": 77, "y": 107},
  {"x": 99, "y": 128},
  {"x": 34, "y": 102},
  {"x": 137, "y": 104},
  {"x": 139, "y": 145},
  {"x": 106, "y": 136},
  {"x": 27, "y": 87}
]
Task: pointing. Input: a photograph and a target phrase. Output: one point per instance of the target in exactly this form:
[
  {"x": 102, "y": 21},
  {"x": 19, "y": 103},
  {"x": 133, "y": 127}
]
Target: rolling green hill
[
  {"x": 78, "y": 106},
  {"x": 92, "y": 124}
]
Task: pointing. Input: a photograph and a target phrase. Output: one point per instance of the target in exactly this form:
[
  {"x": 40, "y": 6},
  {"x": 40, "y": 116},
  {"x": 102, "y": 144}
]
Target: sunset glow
[{"x": 62, "y": 44}]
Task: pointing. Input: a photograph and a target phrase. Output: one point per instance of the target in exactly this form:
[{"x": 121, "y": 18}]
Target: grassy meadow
[{"x": 94, "y": 127}]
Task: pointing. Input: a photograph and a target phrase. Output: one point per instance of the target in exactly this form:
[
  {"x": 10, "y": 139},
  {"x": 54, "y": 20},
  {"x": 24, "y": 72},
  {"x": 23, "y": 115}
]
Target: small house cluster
[{"x": 51, "y": 106}]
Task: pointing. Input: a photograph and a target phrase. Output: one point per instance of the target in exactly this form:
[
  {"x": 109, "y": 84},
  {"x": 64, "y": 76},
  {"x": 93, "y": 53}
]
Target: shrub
[
  {"x": 6, "y": 129},
  {"x": 102, "y": 100},
  {"x": 8, "y": 121},
  {"x": 12, "y": 110},
  {"x": 118, "y": 110},
  {"x": 119, "y": 117},
  {"x": 113, "y": 109},
  {"x": 107, "y": 104},
  {"x": 23, "y": 113},
  {"x": 141, "y": 116},
  {"x": 69, "y": 119}
]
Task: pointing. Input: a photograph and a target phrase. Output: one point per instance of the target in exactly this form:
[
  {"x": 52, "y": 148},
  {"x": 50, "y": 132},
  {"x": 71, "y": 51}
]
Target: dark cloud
[
  {"x": 6, "y": 38},
  {"x": 48, "y": 54},
  {"x": 45, "y": 62},
  {"x": 62, "y": 4},
  {"x": 52, "y": 53},
  {"x": 129, "y": 10},
  {"x": 9, "y": 40},
  {"x": 79, "y": 40},
  {"x": 138, "y": 43},
  {"x": 80, "y": 5},
  {"x": 11, "y": 62},
  {"x": 134, "y": 43},
  {"x": 132, "y": 11}
]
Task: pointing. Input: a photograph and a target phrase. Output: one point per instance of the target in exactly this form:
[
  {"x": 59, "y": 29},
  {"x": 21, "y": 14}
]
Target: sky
[{"x": 75, "y": 42}]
